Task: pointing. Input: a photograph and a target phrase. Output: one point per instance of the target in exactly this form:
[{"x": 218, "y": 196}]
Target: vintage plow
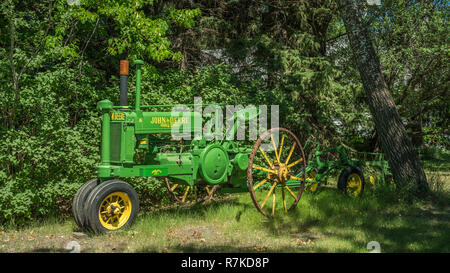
[
  {"x": 350, "y": 163},
  {"x": 137, "y": 141}
]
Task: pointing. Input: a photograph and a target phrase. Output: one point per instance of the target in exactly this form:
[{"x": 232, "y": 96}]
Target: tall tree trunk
[{"x": 405, "y": 165}]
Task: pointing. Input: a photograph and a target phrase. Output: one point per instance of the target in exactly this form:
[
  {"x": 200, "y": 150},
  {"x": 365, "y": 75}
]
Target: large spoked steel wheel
[
  {"x": 185, "y": 194},
  {"x": 276, "y": 165}
]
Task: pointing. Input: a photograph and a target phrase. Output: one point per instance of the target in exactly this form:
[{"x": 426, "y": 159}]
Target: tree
[
  {"x": 405, "y": 165},
  {"x": 412, "y": 40}
]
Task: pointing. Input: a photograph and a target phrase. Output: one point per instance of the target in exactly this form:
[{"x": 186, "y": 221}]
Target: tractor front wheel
[
  {"x": 112, "y": 205},
  {"x": 79, "y": 199}
]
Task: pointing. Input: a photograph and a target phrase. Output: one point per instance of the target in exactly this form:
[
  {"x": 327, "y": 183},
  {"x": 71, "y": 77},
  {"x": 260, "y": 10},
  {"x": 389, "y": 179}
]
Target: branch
[
  {"x": 11, "y": 54},
  {"x": 35, "y": 53},
  {"x": 87, "y": 42},
  {"x": 90, "y": 37},
  {"x": 336, "y": 37},
  {"x": 416, "y": 77}
]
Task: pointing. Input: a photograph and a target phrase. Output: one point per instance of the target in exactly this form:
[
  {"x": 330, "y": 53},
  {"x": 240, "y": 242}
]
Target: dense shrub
[{"x": 54, "y": 146}]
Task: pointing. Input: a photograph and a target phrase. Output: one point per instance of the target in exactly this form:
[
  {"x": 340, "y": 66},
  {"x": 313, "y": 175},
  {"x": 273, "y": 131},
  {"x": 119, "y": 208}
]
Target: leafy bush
[{"x": 46, "y": 160}]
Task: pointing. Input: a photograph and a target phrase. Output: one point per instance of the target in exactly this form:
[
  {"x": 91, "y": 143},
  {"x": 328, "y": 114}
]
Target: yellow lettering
[
  {"x": 117, "y": 116},
  {"x": 169, "y": 121}
]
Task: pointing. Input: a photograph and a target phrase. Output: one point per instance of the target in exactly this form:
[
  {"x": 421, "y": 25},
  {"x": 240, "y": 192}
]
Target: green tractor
[{"x": 137, "y": 141}]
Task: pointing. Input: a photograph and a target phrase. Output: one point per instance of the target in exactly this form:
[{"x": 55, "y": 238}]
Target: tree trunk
[{"x": 403, "y": 160}]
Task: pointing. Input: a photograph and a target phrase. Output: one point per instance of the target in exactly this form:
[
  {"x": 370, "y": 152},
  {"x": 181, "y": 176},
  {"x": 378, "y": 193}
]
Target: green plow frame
[{"x": 317, "y": 170}]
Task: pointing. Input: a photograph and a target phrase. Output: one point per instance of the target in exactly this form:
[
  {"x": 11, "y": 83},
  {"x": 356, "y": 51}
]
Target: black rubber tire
[
  {"x": 95, "y": 198},
  {"x": 343, "y": 177},
  {"x": 79, "y": 199}
]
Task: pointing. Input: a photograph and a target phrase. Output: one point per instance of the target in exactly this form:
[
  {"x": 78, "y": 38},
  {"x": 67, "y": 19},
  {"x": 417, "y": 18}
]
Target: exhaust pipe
[{"x": 124, "y": 82}]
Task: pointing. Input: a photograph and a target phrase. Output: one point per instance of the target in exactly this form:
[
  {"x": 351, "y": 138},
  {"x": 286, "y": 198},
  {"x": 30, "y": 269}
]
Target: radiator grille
[{"x": 115, "y": 140}]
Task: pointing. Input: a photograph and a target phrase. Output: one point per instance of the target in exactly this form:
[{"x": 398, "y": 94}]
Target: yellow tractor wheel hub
[
  {"x": 115, "y": 210},
  {"x": 354, "y": 184}
]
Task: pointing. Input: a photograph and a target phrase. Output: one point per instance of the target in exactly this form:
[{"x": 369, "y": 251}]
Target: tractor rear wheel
[
  {"x": 79, "y": 199},
  {"x": 351, "y": 181},
  {"x": 276, "y": 168},
  {"x": 112, "y": 205}
]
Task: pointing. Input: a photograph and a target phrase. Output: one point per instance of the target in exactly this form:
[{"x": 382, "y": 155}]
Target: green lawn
[{"x": 326, "y": 221}]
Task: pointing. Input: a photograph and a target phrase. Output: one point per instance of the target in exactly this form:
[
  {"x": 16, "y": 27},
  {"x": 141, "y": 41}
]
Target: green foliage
[
  {"x": 58, "y": 60},
  {"x": 45, "y": 160},
  {"x": 50, "y": 85},
  {"x": 412, "y": 38}
]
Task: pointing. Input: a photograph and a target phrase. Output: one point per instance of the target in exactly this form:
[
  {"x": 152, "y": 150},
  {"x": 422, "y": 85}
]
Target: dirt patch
[{"x": 198, "y": 234}]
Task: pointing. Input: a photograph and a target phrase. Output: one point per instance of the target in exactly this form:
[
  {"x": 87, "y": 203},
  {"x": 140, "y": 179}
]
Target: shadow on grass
[
  {"x": 225, "y": 248},
  {"x": 348, "y": 223},
  {"x": 357, "y": 221},
  {"x": 49, "y": 250},
  {"x": 201, "y": 209}
]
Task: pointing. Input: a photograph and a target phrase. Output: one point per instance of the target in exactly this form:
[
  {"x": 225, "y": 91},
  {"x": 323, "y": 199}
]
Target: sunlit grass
[{"x": 325, "y": 221}]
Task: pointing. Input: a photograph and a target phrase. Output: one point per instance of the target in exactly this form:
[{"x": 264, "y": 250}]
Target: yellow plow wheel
[{"x": 313, "y": 186}]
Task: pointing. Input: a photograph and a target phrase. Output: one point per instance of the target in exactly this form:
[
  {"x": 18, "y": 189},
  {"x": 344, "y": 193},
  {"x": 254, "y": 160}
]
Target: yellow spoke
[
  {"x": 264, "y": 169},
  {"x": 290, "y": 153},
  {"x": 259, "y": 184},
  {"x": 273, "y": 203},
  {"x": 268, "y": 194},
  {"x": 185, "y": 194},
  {"x": 281, "y": 147},
  {"x": 284, "y": 200},
  {"x": 274, "y": 147},
  {"x": 296, "y": 178},
  {"x": 174, "y": 187},
  {"x": 295, "y": 163},
  {"x": 207, "y": 190},
  {"x": 290, "y": 191},
  {"x": 265, "y": 156}
]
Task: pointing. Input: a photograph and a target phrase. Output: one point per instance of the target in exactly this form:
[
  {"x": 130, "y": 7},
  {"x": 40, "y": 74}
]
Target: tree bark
[{"x": 403, "y": 160}]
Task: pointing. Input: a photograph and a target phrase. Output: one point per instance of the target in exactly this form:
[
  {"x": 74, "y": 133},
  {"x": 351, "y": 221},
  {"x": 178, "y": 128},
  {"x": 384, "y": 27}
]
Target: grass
[{"x": 326, "y": 221}]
